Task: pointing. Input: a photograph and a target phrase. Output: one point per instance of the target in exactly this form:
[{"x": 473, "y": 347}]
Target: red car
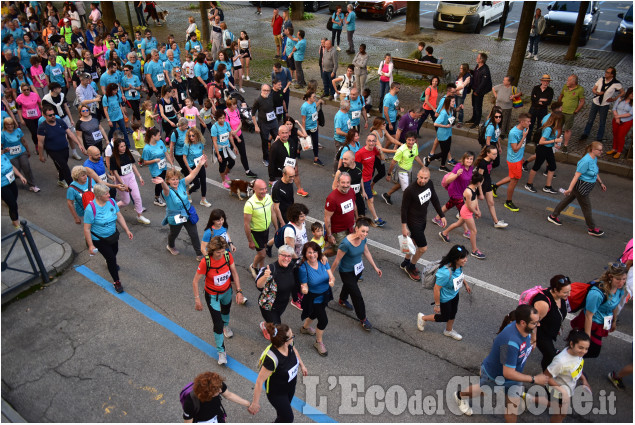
[{"x": 380, "y": 9}]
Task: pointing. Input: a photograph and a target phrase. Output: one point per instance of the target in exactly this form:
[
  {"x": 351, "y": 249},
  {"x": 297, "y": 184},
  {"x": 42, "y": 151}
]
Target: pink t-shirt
[
  {"x": 30, "y": 108},
  {"x": 233, "y": 117},
  {"x": 628, "y": 252},
  {"x": 101, "y": 59},
  {"x": 385, "y": 70},
  {"x": 39, "y": 79},
  {"x": 190, "y": 114},
  {"x": 457, "y": 187}
]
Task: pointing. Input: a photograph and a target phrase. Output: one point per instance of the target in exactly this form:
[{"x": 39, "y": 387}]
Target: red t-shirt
[
  {"x": 277, "y": 25},
  {"x": 218, "y": 277},
  {"x": 367, "y": 158},
  {"x": 343, "y": 208}
]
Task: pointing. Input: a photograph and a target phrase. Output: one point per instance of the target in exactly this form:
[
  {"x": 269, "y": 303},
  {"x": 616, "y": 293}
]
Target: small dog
[
  {"x": 163, "y": 15},
  {"x": 237, "y": 186}
]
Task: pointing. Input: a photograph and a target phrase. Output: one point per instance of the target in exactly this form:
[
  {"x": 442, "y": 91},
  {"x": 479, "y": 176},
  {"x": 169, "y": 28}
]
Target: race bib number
[
  {"x": 347, "y": 206},
  {"x": 356, "y": 187},
  {"x": 214, "y": 420},
  {"x": 103, "y": 178},
  {"x": 15, "y": 150},
  {"x": 94, "y": 75},
  {"x": 396, "y": 103},
  {"x": 293, "y": 372},
  {"x": 359, "y": 268},
  {"x": 228, "y": 74},
  {"x": 575, "y": 373},
  {"x": 289, "y": 162},
  {"x": 169, "y": 108},
  {"x": 425, "y": 196},
  {"x": 56, "y": 71},
  {"x": 31, "y": 113},
  {"x": 179, "y": 219},
  {"x": 183, "y": 97},
  {"x": 223, "y": 137},
  {"x": 279, "y": 110},
  {"x": 126, "y": 169},
  {"x": 197, "y": 160},
  {"x": 162, "y": 164},
  {"x": 160, "y": 77},
  {"x": 97, "y": 135},
  {"x": 356, "y": 114},
  {"x": 608, "y": 322},
  {"x": 314, "y": 116},
  {"x": 348, "y": 123},
  {"x": 10, "y": 176},
  {"x": 132, "y": 93},
  {"x": 271, "y": 116},
  {"x": 451, "y": 120},
  {"x": 221, "y": 279},
  {"x": 197, "y": 48},
  {"x": 497, "y": 133},
  {"x": 189, "y": 117},
  {"x": 458, "y": 282}
]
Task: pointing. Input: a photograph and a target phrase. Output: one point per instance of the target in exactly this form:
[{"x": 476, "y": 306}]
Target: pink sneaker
[
  {"x": 296, "y": 304},
  {"x": 226, "y": 184}
]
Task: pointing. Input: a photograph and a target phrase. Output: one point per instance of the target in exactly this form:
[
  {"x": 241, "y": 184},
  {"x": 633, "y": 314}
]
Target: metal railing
[{"x": 28, "y": 244}]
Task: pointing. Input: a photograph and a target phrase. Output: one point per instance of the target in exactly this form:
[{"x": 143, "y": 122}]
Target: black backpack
[{"x": 481, "y": 134}]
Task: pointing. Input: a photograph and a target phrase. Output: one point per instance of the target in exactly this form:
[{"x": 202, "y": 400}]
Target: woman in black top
[
  {"x": 168, "y": 105},
  {"x": 279, "y": 363},
  {"x": 552, "y": 310},
  {"x": 122, "y": 164},
  {"x": 484, "y": 164},
  {"x": 204, "y": 402}
]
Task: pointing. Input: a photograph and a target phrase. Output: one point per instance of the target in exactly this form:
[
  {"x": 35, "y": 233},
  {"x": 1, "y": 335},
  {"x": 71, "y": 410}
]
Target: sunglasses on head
[
  {"x": 618, "y": 265},
  {"x": 564, "y": 280}
]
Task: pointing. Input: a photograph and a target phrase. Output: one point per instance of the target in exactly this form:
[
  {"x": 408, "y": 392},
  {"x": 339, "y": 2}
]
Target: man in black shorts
[
  {"x": 282, "y": 195},
  {"x": 256, "y": 221},
  {"x": 414, "y": 210}
]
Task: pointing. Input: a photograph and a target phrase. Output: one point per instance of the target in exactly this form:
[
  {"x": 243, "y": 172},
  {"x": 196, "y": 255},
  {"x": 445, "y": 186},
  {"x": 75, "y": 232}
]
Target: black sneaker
[
  {"x": 444, "y": 169},
  {"x": 452, "y": 162},
  {"x": 549, "y": 189},
  {"x": 251, "y": 174},
  {"x": 118, "y": 287},
  {"x": 404, "y": 264},
  {"x": 526, "y": 166},
  {"x": 426, "y": 160},
  {"x": 595, "y": 232},
  {"x": 268, "y": 250},
  {"x": 318, "y": 162},
  {"x": 530, "y": 187},
  {"x": 510, "y": 206},
  {"x": 554, "y": 220},
  {"x": 387, "y": 198}
]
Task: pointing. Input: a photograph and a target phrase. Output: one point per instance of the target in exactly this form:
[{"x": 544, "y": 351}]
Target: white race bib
[
  {"x": 197, "y": 48},
  {"x": 182, "y": 96},
  {"x": 56, "y": 71},
  {"x": 425, "y": 196},
  {"x": 356, "y": 187},
  {"x": 279, "y": 110},
  {"x": 103, "y": 178},
  {"x": 359, "y": 267},
  {"x": 608, "y": 322},
  {"x": 94, "y": 75},
  {"x": 347, "y": 206},
  {"x": 126, "y": 169},
  {"x": 178, "y": 219},
  {"x": 132, "y": 93},
  {"x": 160, "y": 77},
  {"x": 169, "y": 108},
  {"x": 197, "y": 160},
  {"x": 314, "y": 116},
  {"x": 497, "y": 133},
  {"x": 162, "y": 164},
  {"x": 222, "y": 138},
  {"x": 97, "y": 135},
  {"x": 271, "y": 116},
  {"x": 15, "y": 150},
  {"x": 10, "y": 176},
  {"x": 289, "y": 162},
  {"x": 221, "y": 279},
  {"x": 458, "y": 282},
  {"x": 396, "y": 103},
  {"x": 293, "y": 372},
  {"x": 451, "y": 120},
  {"x": 214, "y": 420},
  {"x": 356, "y": 114},
  {"x": 31, "y": 113}
]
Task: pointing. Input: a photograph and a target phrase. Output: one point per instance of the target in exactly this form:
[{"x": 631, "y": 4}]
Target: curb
[{"x": 10, "y": 414}]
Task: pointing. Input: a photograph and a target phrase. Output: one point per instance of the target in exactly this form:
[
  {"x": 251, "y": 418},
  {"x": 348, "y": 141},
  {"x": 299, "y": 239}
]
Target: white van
[{"x": 467, "y": 16}]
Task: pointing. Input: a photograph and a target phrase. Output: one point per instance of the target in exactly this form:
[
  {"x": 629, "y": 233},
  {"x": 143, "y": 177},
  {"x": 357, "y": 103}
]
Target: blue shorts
[
  {"x": 368, "y": 190},
  {"x": 513, "y": 389}
]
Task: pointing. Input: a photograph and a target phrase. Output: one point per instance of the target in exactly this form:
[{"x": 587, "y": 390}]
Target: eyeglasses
[
  {"x": 291, "y": 338},
  {"x": 498, "y": 116},
  {"x": 285, "y": 255}
]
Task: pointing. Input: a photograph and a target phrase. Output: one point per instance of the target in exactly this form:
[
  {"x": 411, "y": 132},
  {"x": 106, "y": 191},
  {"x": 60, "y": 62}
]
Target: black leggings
[
  {"x": 167, "y": 127},
  {"x": 282, "y": 403},
  {"x": 136, "y": 112},
  {"x": 350, "y": 287},
  {"x": 336, "y": 34},
  {"x": 157, "y": 187},
  {"x": 60, "y": 160},
  {"x": 199, "y": 182},
  {"x": 314, "y": 141},
  {"x": 445, "y": 150},
  {"x": 380, "y": 167},
  {"x": 226, "y": 164},
  {"x": 109, "y": 252},
  {"x": 181, "y": 162},
  {"x": 274, "y": 315},
  {"x": 548, "y": 350},
  {"x": 217, "y": 317},
  {"x": 175, "y": 229},
  {"x": 544, "y": 153},
  {"x": 240, "y": 145},
  {"x": 31, "y": 124},
  {"x": 10, "y": 197},
  {"x": 319, "y": 312}
]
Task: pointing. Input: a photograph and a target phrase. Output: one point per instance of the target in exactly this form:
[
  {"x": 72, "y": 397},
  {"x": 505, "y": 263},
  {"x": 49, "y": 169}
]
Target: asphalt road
[{"x": 76, "y": 352}]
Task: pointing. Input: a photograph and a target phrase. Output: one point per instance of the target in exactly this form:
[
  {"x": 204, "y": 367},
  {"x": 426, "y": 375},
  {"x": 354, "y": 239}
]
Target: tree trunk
[
  {"x": 520, "y": 47},
  {"x": 297, "y": 11},
  {"x": 573, "y": 44},
  {"x": 108, "y": 13},
  {"x": 202, "y": 6},
  {"x": 130, "y": 26},
  {"x": 501, "y": 31},
  {"x": 413, "y": 25}
]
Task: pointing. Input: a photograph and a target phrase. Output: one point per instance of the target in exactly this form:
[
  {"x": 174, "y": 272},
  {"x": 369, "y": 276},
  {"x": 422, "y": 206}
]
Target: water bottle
[
  {"x": 94, "y": 252},
  {"x": 562, "y": 190}
]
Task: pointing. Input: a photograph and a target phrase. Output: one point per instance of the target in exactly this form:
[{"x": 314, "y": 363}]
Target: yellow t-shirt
[
  {"x": 149, "y": 123},
  {"x": 139, "y": 141},
  {"x": 320, "y": 242}
]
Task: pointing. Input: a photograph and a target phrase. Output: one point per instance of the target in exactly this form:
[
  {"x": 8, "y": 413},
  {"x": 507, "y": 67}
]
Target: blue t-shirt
[
  {"x": 589, "y": 168},
  {"x": 544, "y": 120},
  {"x": 194, "y": 45},
  {"x": 56, "y": 74},
  {"x": 210, "y": 233},
  {"x": 148, "y": 45},
  {"x": 136, "y": 68},
  {"x": 54, "y": 135},
  {"x": 176, "y": 201},
  {"x": 509, "y": 349},
  {"x": 492, "y": 132},
  {"x": 550, "y": 134},
  {"x": 98, "y": 167},
  {"x": 193, "y": 151},
  {"x": 7, "y": 170},
  {"x": 126, "y": 83},
  {"x": 123, "y": 49},
  {"x": 3, "y": 114},
  {"x": 103, "y": 221},
  {"x": 157, "y": 151},
  {"x": 356, "y": 110},
  {"x": 201, "y": 70},
  {"x": 353, "y": 148},
  {"x": 309, "y": 110},
  {"x": 342, "y": 121},
  {"x": 222, "y": 132},
  {"x": 17, "y": 84},
  {"x": 25, "y": 59},
  {"x": 113, "y": 103},
  {"x": 178, "y": 137},
  {"x": 450, "y": 283},
  {"x": 300, "y": 49},
  {"x": 599, "y": 309},
  {"x": 284, "y": 76},
  {"x": 12, "y": 141},
  {"x": 317, "y": 280},
  {"x": 107, "y": 78},
  {"x": 392, "y": 103},
  {"x": 336, "y": 17},
  {"x": 443, "y": 133},
  {"x": 228, "y": 66},
  {"x": 75, "y": 196},
  {"x": 155, "y": 69},
  {"x": 515, "y": 136},
  {"x": 289, "y": 46},
  {"x": 353, "y": 255},
  {"x": 163, "y": 57},
  {"x": 172, "y": 64},
  {"x": 351, "y": 18}
]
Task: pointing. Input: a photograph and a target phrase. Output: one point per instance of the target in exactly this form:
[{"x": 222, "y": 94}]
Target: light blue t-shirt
[
  {"x": 176, "y": 202},
  {"x": 148, "y": 45},
  {"x": 222, "y": 133},
  {"x": 317, "y": 280},
  {"x": 351, "y": 18},
  {"x": 106, "y": 78},
  {"x": 56, "y": 74},
  {"x": 193, "y": 151},
  {"x": 127, "y": 83},
  {"x": 336, "y": 17},
  {"x": 589, "y": 168},
  {"x": 157, "y": 151},
  {"x": 123, "y": 49},
  {"x": 342, "y": 121},
  {"x": 136, "y": 68},
  {"x": 194, "y": 45},
  {"x": 201, "y": 70},
  {"x": 7, "y": 170},
  {"x": 356, "y": 110},
  {"x": 450, "y": 283},
  {"x": 155, "y": 69},
  {"x": 392, "y": 103},
  {"x": 76, "y": 196},
  {"x": 289, "y": 46},
  {"x": 515, "y": 136},
  {"x": 300, "y": 49},
  {"x": 113, "y": 103},
  {"x": 210, "y": 233},
  {"x": 550, "y": 134},
  {"x": 599, "y": 309},
  {"x": 509, "y": 349},
  {"x": 443, "y": 133},
  {"x": 353, "y": 255},
  {"x": 178, "y": 137},
  {"x": 103, "y": 221},
  {"x": 492, "y": 132},
  {"x": 12, "y": 141},
  {"x": 309, "y": 110}
]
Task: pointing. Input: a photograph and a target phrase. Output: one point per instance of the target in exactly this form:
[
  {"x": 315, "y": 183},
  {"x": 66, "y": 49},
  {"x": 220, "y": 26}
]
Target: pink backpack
[{"x": 527, "y": 296}]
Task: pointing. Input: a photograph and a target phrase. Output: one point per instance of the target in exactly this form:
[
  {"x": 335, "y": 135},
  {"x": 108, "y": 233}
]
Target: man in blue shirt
[
  {"x": 284, "y": 76},
  {"x": 341, "y": 124},
  {"x": 123, "y": 48},
  {"x": 148, "y": 44},
  {"x": 350, "y": 19},
  {"x": 507, "y": 360},
  {"x": 112, "y": 75},
  {"x": 391, "y": 105},
  {"x": 298, "y": 58},
  {"x": 155, "y": 75},
  {"x": 357, "y": 110}
]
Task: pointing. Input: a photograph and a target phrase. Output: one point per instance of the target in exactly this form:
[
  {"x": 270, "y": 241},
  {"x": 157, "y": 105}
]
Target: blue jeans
[
  {"x": 327, "y": 80},
  {"x": 384, "y": 87},
  {"x": 459, "y": 100},
  {"x": 603, "y": 110},
  {"x": 122, "y": 126},
  {"x": 533, "y": 44}
]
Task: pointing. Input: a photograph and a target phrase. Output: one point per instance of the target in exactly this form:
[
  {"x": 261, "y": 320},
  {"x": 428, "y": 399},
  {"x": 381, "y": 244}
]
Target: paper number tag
[
  {"x": 15, "y": 150},
  {"x": 356, "y": 114},
  {"x": 103, "y": 178},
  {"x": 271, "y": 116},
  {"x": 197, "y": 160},
  {"x": 458, "y": 282},
  {"x": 293, "y": 372},
  {"x": 289, "y": 162},
  {"x": 97, "y": 135},
  {"x": 314, "y": 116},
  {"x": 608, "y": 322},
  {"x": 347, "y": 206},
  {"x": 219, "y": 280},
  {"x": 356, "y": 187},
  {"x": 162, "y": 164},
  {"x": 56, "y": 71},
  {"x": 31, "y": 113},
  {"x": 279, "y": 110},
  {"x": 126, "y": 169},
  {"x": 425, "y": 196},
  {"x": 359, "y": 267},
  {"x": 10, "y": 176},
  {"x": 178, "y": 219},
  {"x": 223, "y": 137},
  {"x": 160, "y": 77}
]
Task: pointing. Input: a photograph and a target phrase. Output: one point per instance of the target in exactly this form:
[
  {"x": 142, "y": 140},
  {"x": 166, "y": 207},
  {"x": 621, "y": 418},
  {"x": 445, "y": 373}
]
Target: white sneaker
[
  {"x": 458, "y": 216},
  {"x": 247, "y": 78},
  {"x": 463, "y": 405},
  {"x": 205, "y": 203},
  {"x": 189, "y": 199},
  {"x": 222, "y": 358},
  {"x": 421, "y": 324},
  {"x": 453, "y": 334},
  {"x": 535, "y": 57},
  {"x": 528, "y": 55},
  {"x": 228, "y": 332},
  {"x": 159, "y": 202},
  {"x": 501, "y": 224},
  {"x": 338, "y": 49},
  {"x": 242, "y": 90},
  {"x": 141, "y": 219},
  {"x": 76, "y": 156},
  {"x": 62, "y": 183}
]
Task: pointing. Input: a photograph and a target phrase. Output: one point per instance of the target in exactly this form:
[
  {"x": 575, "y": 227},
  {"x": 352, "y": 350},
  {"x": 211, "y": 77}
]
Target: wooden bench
[{"x": 423, "y": 68}]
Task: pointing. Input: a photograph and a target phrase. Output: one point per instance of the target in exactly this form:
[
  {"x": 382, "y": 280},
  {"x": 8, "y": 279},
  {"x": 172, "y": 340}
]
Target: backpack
[
  {"x": 87, "y": 196},
  {"x": 579, "y": 292},
  {"x": 278, "y": 238},
  {"x": 329, "y": 25},
  {"x": 220, "y": 13},
  {"x": 527, "y": 296},
  {"x": 444, "y": 181},
  {"x": 268, "y": 293},
  {"x": 481, "y": 134},
  {"x": 208, "y": 263},
  {"x": 429, "y": 274},
  {"x": 188, "y": 391},
  {"x": 92, "y": 205}
]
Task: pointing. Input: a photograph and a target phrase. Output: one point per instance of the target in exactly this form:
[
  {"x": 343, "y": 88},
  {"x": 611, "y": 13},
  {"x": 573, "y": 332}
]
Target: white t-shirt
[
  {"x": 610, "y": 92},
  {"x": 300, "y": 237},
  {"x": 566, "y": 369}
]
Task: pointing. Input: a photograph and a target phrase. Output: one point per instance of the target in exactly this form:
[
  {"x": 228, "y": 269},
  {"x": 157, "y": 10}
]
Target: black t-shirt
[
  {"x": 181, "y": 88},
  {"x": 356, "y": 178},
  {"x": 206, "y": 411},
  {"x": 166, "y": 104},
  {"x": 429, "y": 58},
  {"x": 285, "y": 280},
  {"x": 415, "y": 201},
  {"x": 282, "y": 193},
  {"x": 486, "y": 167},
  {"x": 550, "y": 324},
  {"x": 124, "y": 160},
  {"x": 278, "y": 100},
  {"x": 285, "y": 376}
]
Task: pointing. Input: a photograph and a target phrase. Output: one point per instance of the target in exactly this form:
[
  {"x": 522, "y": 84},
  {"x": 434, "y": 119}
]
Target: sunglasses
[
  {"x": 50, "y": 115},
  {"x": 85, "y": 110},
  {"x": 498, "y": 116},
  {"x": 618, "y": 265},
  {"x": 564, "y": 280}
]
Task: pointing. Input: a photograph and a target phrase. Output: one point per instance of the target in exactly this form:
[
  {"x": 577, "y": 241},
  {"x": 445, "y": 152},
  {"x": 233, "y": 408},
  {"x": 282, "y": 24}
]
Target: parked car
[
  {"x": 309, "y": 6},
  {"x": 467, "y": 16},
  {"x": 623, "y": 38},
  {"x": 561, "y": 18},
  {"x": 333, "y": 5},
  {"x": 380, "y": 9}
]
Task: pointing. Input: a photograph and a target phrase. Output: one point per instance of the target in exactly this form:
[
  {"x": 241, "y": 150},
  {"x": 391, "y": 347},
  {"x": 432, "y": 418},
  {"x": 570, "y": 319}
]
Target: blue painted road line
[
  {"x": 404, "y": 18},
  {"x": 508, "y": 25},
  {"x": 298, "y": 404}
]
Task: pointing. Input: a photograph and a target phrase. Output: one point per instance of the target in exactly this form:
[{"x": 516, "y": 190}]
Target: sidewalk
[{"x": 56, "y": 256}]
